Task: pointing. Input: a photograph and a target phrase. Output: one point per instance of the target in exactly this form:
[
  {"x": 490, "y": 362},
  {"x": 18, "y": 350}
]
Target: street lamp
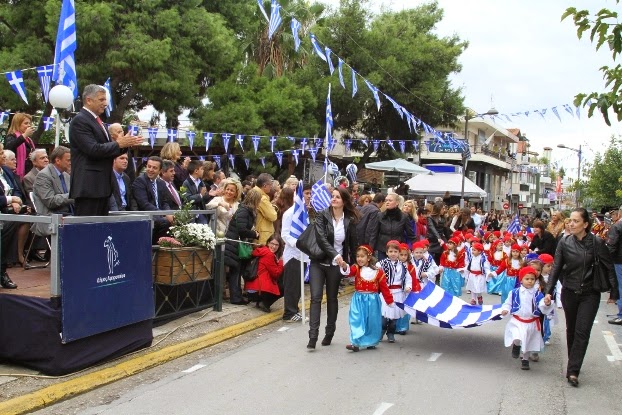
[
  {"x": 61, "y": 98},
  {"x": 578, "y": 151},
  {"x": 468, "y": 117}
]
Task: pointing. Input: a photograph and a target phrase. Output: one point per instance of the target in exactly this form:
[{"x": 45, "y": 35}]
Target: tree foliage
[
  {"x": 603, "y": 185},
  {"x": 605, "y": 29}
]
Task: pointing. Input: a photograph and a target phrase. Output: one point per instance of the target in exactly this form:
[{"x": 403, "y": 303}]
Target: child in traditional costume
[
  {"x": 526, "y": 304},
  {"x": 511, "y": 267},
  {"x": 365, "y": 306},
  {"x": 400, "y": 284},
  {"x": 477, "y": 271},
  {"x": 551, "y": 319},
  {"x": 402, "y": 324},
  {"x": 496, "y": 257},
  {"x": 433, "y": 268},
  {"x": 452, "y": 260}
]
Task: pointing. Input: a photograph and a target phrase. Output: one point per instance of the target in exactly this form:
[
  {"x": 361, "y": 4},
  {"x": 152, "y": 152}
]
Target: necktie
[
  {"x": 64, "y": 186},
  {"x": 101, "y": 124},
  {"x": 155, "y": 194},
  {"x": 174, "y": 193}
]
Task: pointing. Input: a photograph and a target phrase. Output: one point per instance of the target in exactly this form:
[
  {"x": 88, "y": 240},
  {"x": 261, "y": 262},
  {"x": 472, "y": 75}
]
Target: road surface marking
[
  {"x": 193, "y": 369},
  {"x": 382, "y": 408},
  {"x": 283, "y": 329},
  {"x": 613, "y": 345},
  {"x": 434, "y": 357}
]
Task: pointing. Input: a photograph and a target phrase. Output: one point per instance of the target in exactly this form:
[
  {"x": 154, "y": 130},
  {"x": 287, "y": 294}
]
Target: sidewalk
[{"x": 24, "y": 390}]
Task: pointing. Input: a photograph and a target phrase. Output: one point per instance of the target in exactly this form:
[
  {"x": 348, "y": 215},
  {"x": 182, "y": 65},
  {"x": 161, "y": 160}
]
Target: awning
[
  {"x": 440, "y": 183},
  {"x": 398, "y": 165}
]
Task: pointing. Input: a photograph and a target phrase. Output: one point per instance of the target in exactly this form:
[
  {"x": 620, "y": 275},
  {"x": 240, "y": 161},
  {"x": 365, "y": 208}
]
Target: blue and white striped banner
[
  {"x": 45, "y": 80},
  {"x": 64, "y": 63},
  {"x": 300, "y": 219},
  {"x": 435, "y": 306}
]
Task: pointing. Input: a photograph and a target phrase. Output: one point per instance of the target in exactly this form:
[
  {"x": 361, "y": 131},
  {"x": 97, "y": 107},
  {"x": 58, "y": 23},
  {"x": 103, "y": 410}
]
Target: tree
[
  {"x": 603, "y": 185},
  {"x": 604, "y": 28}
]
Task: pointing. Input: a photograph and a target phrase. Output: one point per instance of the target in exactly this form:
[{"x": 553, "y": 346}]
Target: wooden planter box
[{"x": 181, "y": 265}]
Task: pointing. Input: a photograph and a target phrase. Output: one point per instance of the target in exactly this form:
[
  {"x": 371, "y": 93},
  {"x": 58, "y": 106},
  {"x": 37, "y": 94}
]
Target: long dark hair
[
  {"x": 348, "y": 207},
  {"x": 586, "y": 218}
]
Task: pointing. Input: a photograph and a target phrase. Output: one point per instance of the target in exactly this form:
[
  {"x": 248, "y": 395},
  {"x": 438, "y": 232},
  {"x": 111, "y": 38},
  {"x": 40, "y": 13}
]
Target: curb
[{"x": 55, "y": 393}]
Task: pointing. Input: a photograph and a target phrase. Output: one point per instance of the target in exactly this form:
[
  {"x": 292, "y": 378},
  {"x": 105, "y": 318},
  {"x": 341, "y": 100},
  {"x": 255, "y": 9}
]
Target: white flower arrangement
[{"x": 194, "y": 234}]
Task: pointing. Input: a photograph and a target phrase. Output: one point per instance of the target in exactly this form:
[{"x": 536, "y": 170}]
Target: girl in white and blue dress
[
  {"x": 526, "y": 304},
  {"x": 365, "y": 307},
  {"x": 496, "y": 257},
  {"x": 403, "y": 324},
  {"x": 477, "y": 272},
  {"x": 400, "y": 284},
  {"x": 430, "y": 268},
  {"x": 452, "y": 262},
  {"x": 550, "y": 319}
]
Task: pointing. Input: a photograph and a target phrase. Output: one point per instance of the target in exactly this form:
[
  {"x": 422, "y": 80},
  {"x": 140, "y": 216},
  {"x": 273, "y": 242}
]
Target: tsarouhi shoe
[
  {"x": 524, "y": 364},
  {"x": 352, "y": 347},
  {"x": 515, "y": 351},
  {"x": 480, "y": 300}
]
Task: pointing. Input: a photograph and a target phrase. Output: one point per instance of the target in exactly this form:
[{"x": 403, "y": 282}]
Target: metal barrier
[{"x": 57, "y": 221}]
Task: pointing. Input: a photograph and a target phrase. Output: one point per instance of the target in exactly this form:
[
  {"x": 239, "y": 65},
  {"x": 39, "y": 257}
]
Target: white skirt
[
  {"x": 476, "y": 283},
  {"x": 394, "y": 313},
  {"x": 527, "y": 333}
]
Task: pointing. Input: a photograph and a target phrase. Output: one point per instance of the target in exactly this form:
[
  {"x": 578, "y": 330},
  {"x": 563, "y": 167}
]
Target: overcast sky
[{"x": 522, "y": 55}]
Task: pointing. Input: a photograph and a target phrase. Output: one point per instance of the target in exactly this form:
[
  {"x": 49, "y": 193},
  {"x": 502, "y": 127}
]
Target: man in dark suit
[
  {"x": 151, "y": 194},
  {"x": 92, "y": 153},
  {"x": 121, "y": 198},
  {"x": 167, "y": 174},
  {"x": 196, "y": 192}
]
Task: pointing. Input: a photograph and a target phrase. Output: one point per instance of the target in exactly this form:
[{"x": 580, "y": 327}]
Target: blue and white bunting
[
  {"x": 331, "y": 68},
  {"x": 132, "y": 130},
  {"x": 16, "y": 80},
  {"x": 300, "y": 218},
  {"x": 376, "y": 144},
  {"x": 279, "y": 157},
  {"x": 296, "y": 26},
  {"x": 374, "y": 91},
  {"x": 329, "y": 121},
  {"x": 313, "y": 152},
  {"x": 569, "y": 110},
  {"x": 171, "y": 135},
  {"x": 208, "y": 137},
  {"x": 390, "y": 144},
  {"x": 248, "y": 163},
  {"x": 217, "y": 161},
  {"x": 255, "y": 139},
  {"x": 272, "y": 142},
  {"x": 319, "y": 142},
  {"x": 47, "y": 123},
  {"x": 3, "y": 116},
  {"x": 554, "y": 111},
  {"x": 240, "y": 140},
  {"x": 64, "y": 63},
  {"x": 263, "y": 10},
  {"x": 348, "y": 144},
  {"x": 190, "y": 135},
  {"x": 320, "y": 196},
  {"x": 340, "y": 70},
  {"x": 275, "y": 18},
  {"x": 317, "y": 48},
  {"x": 263, "y": 162},
  {"x": 295, "y": 155},
  {"x": 402, "y": 146},
  {"x": 355, "y": 87},
  {"x": 232, "y": 160},
  {"x": 153, "y": 134},
  {"x": 110, "y": 105},
  {"x": 303, "y": 145},
  {"x": 45, "y": 80},
  {"x": 225, "y": 141}
]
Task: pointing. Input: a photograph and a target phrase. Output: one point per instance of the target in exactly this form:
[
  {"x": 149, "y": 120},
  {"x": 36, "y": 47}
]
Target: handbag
[
  {"x": 307, "y": 243},
  {"x": 249, "y": 269},
  {"x": 244, "y": 250},
  {"x": 600, "y": 273}
]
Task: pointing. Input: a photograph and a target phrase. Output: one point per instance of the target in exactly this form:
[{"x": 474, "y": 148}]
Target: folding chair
[{"x": 37, "y": 231}]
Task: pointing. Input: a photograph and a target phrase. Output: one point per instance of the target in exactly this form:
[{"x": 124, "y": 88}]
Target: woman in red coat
[{"x": 264, "y": 290}]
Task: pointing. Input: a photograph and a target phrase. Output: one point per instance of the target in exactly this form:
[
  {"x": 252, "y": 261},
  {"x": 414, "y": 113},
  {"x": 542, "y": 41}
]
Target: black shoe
[
  {"x": 371, "y": 348},
  {"x": 353, "y": 347},
  {"x": 616, "y": 321},
  {"x": 311, "y": 344},
  {"x": 515, "y": 351},
  {"x": 327, "y": 339},
  {"x": 241, "y": 302},
  {"x": 391, "y": 337},
  {"x": 525, "y": 366},
  {"x": 6, "y": 282},
  {"x": 263, "y": 308},
  {"x": 38, "y": 257},
  {"x": 573, "y": 380}
]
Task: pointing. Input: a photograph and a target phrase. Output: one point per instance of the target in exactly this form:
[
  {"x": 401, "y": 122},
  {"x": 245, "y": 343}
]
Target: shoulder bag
[
  {"x": 244, "y": 249},
  {"x": 307, "y": 243},
  {"x": 250, "y": 269},
  {"x": 600, "y": 272}
]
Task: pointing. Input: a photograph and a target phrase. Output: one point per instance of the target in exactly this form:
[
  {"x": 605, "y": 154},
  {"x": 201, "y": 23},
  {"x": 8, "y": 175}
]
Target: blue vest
[{"x": 534, "y": 302}]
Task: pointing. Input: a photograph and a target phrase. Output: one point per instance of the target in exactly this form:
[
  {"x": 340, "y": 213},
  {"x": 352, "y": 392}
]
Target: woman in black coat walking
[{"x": 241, "y": 227}]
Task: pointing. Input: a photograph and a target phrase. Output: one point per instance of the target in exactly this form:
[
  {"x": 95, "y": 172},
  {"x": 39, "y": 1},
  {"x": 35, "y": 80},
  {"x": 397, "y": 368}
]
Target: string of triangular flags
[{"x": 16, "y": 81}]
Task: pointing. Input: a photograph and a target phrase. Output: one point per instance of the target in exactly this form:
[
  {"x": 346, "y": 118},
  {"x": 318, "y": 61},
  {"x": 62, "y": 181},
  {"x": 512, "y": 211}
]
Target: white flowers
[{"x": 194, "y": 234}]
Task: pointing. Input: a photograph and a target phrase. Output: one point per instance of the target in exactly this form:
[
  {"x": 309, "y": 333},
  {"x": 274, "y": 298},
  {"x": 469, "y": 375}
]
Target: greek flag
[
  {"x": 320, "y": 196},
  {"x": 110, "y": 105},
  {"x": 16, "y": 80},
  {"x": 316, "y": 47},
  {"x": 45, "y": 79},
  {"x": 64, "y": 63},
  {"x": 263, "y": 11},
  {"x": 435, "y": 306},
  {"x": 275, "y": 18},
  {"x": 514, "y": 226},
  {"x": 296, "y": 26},
  {"x": 329, "y": 119},
  {"x": 300, "y": 221}
]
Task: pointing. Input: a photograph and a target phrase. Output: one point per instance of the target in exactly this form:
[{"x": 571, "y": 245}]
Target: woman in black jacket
[
  {"x": 573, "y": 267},
  {"x": 543, "y": 242},
  {"x": 335, "y": 233},
  {"x": 19, "y": 142},
  {"x": 241, "y": 227},
  {"x": 392, "y": 224}
]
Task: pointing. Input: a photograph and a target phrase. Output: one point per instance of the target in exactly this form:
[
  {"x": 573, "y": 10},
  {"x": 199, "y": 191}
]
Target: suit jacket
[
  {"x": 193, "y": 193},
  {"x": 13, "y": 180},
  {"x": 29, "y": 180},
  {"x": 49, "y": 195},
  {"x": 92, "y": 154},
  {"x": 115, "y": 197},
  {"x": 171, "y": 199},
  {"x": 143, "y": 194}
]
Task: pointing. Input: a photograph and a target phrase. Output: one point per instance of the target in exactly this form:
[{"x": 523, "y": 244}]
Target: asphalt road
[{"x": 427, "y": 371}]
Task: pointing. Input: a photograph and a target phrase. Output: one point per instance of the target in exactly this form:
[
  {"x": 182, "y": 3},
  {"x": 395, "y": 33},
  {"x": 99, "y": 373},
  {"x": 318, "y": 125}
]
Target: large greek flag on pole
[
  {"x": 64, "y": 63},
  {"x": 435, "y": 306},
  {"x": 300, "y": 220},
  {"x": 514, "y": 226}
]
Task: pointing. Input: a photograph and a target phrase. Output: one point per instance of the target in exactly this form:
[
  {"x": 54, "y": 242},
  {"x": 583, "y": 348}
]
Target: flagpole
[
  {"x": 326, "y": 138},
  {"x": 302, "y": 288},
  {"x": 57, "y": 137}
]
